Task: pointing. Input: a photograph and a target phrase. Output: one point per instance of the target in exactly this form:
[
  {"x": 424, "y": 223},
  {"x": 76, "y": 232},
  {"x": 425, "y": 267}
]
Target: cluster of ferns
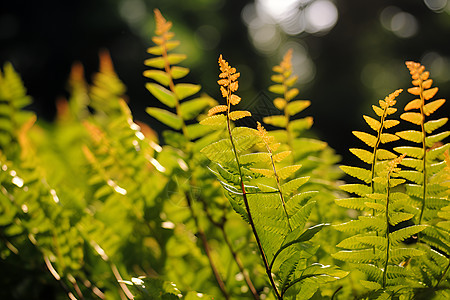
[{"x": 95, "y": 206}]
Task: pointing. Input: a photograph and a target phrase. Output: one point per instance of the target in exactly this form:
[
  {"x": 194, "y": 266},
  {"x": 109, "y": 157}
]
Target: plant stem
[
  {"x": 247, "y": 207},
  {"x": 443, "y": 275},
  {"x": 207, "y": 248},
  {"x": 387, "y": 229},
  {"x": 424, "y": 150},
  {"x": 221, "y": 226}
]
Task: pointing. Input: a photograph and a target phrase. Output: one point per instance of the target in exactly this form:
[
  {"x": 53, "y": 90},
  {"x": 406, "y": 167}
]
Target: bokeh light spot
[
  {"x": 321, "y": 15},
  {"x": 436, "y": 5}
]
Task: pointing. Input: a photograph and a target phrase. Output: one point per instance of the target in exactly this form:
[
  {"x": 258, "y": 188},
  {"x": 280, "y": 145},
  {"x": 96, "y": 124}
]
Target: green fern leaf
[
  {"x": 287, "y": 171},
  {"x": 374, "y": 124},
  {"x": 159, "y": 76},
  {"x": 415, "y": 152},
  {"x": 165, "y": 117},
  {"x": 178, "y": 72},
  {"x": 352, "y": 203},
  {"x": 162, "y": 94},
  {"x": 398, "y": 255},
  {"x": 360, "y": 173},
  {"x": 363, "y": 155},
  {"x": 184, "y": 90},
  {"x": 216, "y": 121},
  {"x": 383, "y": 154},
  {"x": 219, "y": 151},
  {"x": 398, "y": 217},
  {"x": 369, "y": 139},
  {"x": 437, "y": 152},
  {"x": 298, "y": 200},
  {"x": 363, "y": 242},
  {"x": 294, "y": 107},
  {"x": 432, "y": 139},
  {"x": 293, "y": 185},
  {"x": 278, "y": 121},
  {"x": 402, "y": 234},
  {"x": 355, "y": 188},
  {"x": 432, "y": 125},
  {"x": 357, "y": 256},
  {"x": 414, "y": 176},
  {"x": 411, "y": 135},
  {"x": 192, "y": 108}
]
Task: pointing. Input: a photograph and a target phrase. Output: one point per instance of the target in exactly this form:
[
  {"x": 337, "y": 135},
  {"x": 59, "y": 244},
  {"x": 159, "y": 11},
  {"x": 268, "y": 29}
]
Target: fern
[
  {"x": 262, "y": 193},
  {"x": 13, "y": 99},
  {"x": 376, "y": 249},
  {"x": 425, "y": 162},
  {"x": 376, "y": 154}
]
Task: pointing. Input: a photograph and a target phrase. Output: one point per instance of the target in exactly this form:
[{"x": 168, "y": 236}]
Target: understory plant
[{"x": 97, "y": 205}]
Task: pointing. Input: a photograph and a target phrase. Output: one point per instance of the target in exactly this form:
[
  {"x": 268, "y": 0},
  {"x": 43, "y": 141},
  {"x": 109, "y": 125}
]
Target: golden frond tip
[{"x": 162, "y": 26}]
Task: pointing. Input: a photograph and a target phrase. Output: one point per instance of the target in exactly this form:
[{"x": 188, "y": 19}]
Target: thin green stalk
[
  {"x": 207, "y": 248},
  {"x": 424, "y": 151},
  {"x": 247, "y": 207},
  {"x": 443, "y": 275}
]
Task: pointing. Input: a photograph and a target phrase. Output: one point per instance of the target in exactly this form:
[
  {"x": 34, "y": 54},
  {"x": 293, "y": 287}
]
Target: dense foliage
[{"x": 96, "y": 206}]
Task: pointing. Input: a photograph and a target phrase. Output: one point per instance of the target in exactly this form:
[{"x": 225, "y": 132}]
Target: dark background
[{"x": 356, "y": 63}]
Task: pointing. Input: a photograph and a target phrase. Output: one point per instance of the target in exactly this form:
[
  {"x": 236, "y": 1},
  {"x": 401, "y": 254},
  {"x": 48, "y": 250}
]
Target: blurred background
[{"x": 348, "y": 53}]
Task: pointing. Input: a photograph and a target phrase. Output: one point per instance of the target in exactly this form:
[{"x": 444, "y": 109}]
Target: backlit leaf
[
  {"x": 390, "y": 123},
  {"x": 266, "y": 172},
  {"x": 155, "y": 62},
  {"x": 158, "y": 75},
  {"x": 290, "y": 94},
  {"x": 239, "y": 114},
  {"x": 184, "y": 90},
  {"x": 178, "y": 72},
  {"x": 369, "y": 139},
  {"x": 175, "y": 58},
  {"x": 297, "y": 106},
  {"x": 428, "y": 94},
  {"x": 279, "y": 121},
  {"x": 192, "y": 108},
  {"x": 414, "y": 104},
  {"x": 379, "y": 111},
  {"x": 432, "y": 125},
  {"x": 216, "y": 120},
  {"x": 363, "y": 155},
  {"x": 293, "y": 185},
  {"x": 277, "y": 89},
  {"x": 374, "y": 124},
  {"x": 300, "y": 125},
  {"x": 432, "y": 139},
  {"x": 162, "y": 94},
  {"x": 165, "y": 117},
  {"x": 431, "y": 107},
  {"x": 387, "y": 138},
  {"x": 360, "y": 173},
  {"x": 411, "y": 135},
  {"x": 415, "y": 118},
  {"x": 287, "y": 171},
  {"x": 415, "y": 152}
]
